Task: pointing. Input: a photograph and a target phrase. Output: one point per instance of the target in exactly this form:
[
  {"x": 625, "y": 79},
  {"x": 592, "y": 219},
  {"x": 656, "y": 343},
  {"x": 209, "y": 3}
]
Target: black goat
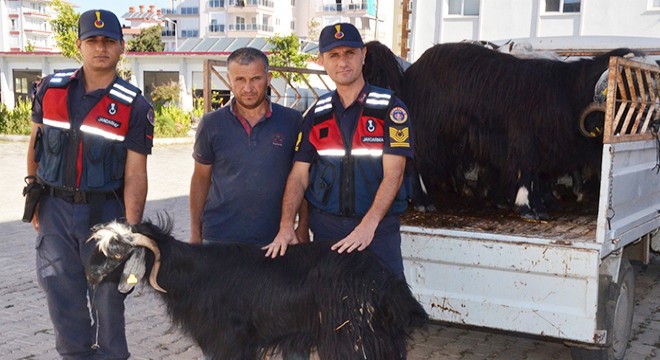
[
  {"x": 521, "y": 120},
  {"x": 237, "y": 304}
]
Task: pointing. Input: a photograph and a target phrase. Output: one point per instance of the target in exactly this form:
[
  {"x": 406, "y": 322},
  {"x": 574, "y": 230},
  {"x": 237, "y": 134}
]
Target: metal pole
[{"x": 376, "y": 27}]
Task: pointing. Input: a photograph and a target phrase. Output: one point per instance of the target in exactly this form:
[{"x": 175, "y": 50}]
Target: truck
[{"x": 569, "y": 278}]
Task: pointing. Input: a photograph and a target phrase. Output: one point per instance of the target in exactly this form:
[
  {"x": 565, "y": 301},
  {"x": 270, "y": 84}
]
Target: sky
[{"x": 119, "y": 7}]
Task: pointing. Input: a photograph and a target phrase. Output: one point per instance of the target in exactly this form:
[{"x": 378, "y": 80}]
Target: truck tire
[{"x": 619, "y": 309}]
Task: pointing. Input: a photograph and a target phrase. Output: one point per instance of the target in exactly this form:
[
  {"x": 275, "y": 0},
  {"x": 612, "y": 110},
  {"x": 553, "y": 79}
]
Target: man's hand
[
  {"x": 359, "y": 239},
  {"x": 35, "y": 219},
  {"x": 283, "y": 239}
]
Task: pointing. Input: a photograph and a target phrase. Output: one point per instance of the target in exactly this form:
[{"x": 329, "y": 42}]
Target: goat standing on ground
[{"x": 237, "y": 304}]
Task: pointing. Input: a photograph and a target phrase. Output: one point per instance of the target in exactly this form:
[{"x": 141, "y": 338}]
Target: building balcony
[
  {"x": 362, "y": 9},
  {"x": 36, "y": 14},
  {"x": 38, "y": 32},
  {"x": 242, "y": 6},
  {"x": 249, "y": 30},
  {"x": 189, "y": 33},
  {"x": 216, "y": 28},
  {"x": 191, "y": 11},
  {"x": 215, "y": 4}
]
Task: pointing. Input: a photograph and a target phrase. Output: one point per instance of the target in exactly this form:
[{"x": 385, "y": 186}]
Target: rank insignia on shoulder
[
  {"x": 150, "y": 117},
  {"x": 299, "y": 140},
  {"x": 398, "y": 115},
  {"x": 399, "y": 137}
]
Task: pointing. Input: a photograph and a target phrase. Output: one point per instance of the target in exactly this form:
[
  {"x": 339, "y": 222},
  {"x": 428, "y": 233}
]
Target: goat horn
[
  {"x": 141, "y": 240},
  {"x": 583, "y": 117}
]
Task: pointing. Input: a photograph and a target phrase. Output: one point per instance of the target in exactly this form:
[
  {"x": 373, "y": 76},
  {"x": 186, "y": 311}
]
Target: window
[
  {"x": 564, "y": 6},
  {"x": 24, "y": 81},
  {"x": 240, "y": 23},
  {"x": 655, "y": 4},
  {"x": 153, "y": 79},
  {"x": 216, "y": 3},
  {"x": 464, "y": 7},
  {"x": 189, "y": 33},
  {"x": 189, "y": 10},
  {"x": 293, "y": 2},
  {"x": 293, "y": 25}
]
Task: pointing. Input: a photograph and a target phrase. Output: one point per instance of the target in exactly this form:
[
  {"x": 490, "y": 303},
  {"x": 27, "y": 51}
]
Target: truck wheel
[{"x": 619, "y": 308}]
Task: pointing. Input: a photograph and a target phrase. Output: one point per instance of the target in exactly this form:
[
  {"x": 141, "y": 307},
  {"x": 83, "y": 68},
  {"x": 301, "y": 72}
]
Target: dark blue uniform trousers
[
  {"x": 386, "y": 242},
  {"x": 80, "y": 322}
]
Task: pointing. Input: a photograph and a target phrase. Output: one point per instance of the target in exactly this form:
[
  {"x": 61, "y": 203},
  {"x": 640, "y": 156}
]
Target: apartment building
[
  {"x": 208, "y": 19},
  {"x": 24, "y": 24}
]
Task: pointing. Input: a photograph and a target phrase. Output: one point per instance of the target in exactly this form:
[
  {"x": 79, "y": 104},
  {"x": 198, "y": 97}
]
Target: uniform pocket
[
  {"x": 54, "y": 141},
  {"x": 323, "y": 175},
  {"x": 46, "y": 270},
  {"x": 95, "y": 148},
  {"x": 117, "y": 161}
]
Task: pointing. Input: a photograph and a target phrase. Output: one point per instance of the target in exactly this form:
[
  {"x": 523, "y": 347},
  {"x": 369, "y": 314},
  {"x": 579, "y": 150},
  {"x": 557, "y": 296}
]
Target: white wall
[{"x": 507, "y": 19}]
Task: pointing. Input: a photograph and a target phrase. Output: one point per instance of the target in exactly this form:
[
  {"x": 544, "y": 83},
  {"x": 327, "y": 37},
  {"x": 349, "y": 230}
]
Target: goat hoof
[{"x": 543, "y": 216}]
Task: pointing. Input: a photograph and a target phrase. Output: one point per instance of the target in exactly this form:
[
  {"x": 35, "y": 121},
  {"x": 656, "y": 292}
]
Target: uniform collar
[{"x": 360, "y": 99}]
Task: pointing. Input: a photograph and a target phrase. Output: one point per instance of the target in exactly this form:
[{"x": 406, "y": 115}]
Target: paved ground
[{"x": 26, "y": 332}]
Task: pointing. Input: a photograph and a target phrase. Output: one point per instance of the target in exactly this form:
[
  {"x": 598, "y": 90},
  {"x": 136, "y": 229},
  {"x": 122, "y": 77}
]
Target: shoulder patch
[
  {"x": 151, "y": 117},
  {"x": 399, "y": 137},
  {"x": 398, "y": 115}
]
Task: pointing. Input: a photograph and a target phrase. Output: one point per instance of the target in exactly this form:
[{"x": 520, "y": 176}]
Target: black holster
[{"x": 32, "y": 193}]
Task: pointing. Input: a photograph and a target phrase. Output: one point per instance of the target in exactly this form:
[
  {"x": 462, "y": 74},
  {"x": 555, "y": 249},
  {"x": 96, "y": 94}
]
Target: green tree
[
  {"x": 286, "y": 52},
  {"x": 65, "y": 28},
  {"x": 148, "y": 40},
  {"x": 313, "y": 32},
  {"x": 29, "y": 47}
]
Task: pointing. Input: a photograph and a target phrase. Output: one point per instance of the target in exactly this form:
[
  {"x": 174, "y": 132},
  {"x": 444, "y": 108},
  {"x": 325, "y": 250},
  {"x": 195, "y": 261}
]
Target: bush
[
  {"x": 171, "y": 121},
  {"x": 17, "y": 121},
  {"x": 166, "y": 94}
]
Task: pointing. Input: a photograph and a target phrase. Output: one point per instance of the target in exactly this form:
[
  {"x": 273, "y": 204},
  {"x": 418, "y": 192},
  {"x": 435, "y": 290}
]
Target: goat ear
[{"x": 134, "y": 270}]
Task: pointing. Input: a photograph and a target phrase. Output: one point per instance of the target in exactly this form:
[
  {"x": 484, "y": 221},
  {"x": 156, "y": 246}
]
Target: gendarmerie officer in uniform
[
  {"x": 91, "y": 134},
  {"x": 351, "y": 160}
]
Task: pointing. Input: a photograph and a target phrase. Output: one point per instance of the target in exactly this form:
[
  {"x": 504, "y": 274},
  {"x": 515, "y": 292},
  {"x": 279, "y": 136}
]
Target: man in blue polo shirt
[
  {"x": 351, "y": 161},
  {"x": 243, "y": 154}
]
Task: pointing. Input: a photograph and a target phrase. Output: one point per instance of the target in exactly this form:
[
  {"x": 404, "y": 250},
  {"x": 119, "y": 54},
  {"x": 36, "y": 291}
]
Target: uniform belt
[{"x": 80, "y": 197}]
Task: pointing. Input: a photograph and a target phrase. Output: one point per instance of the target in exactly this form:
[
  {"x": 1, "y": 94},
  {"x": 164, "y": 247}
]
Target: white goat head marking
[{"x": 109, "y": 237}]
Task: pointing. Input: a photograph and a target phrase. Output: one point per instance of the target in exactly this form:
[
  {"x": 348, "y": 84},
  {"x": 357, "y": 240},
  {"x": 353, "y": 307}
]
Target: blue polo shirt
[{"x": 250, "y": 168}]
